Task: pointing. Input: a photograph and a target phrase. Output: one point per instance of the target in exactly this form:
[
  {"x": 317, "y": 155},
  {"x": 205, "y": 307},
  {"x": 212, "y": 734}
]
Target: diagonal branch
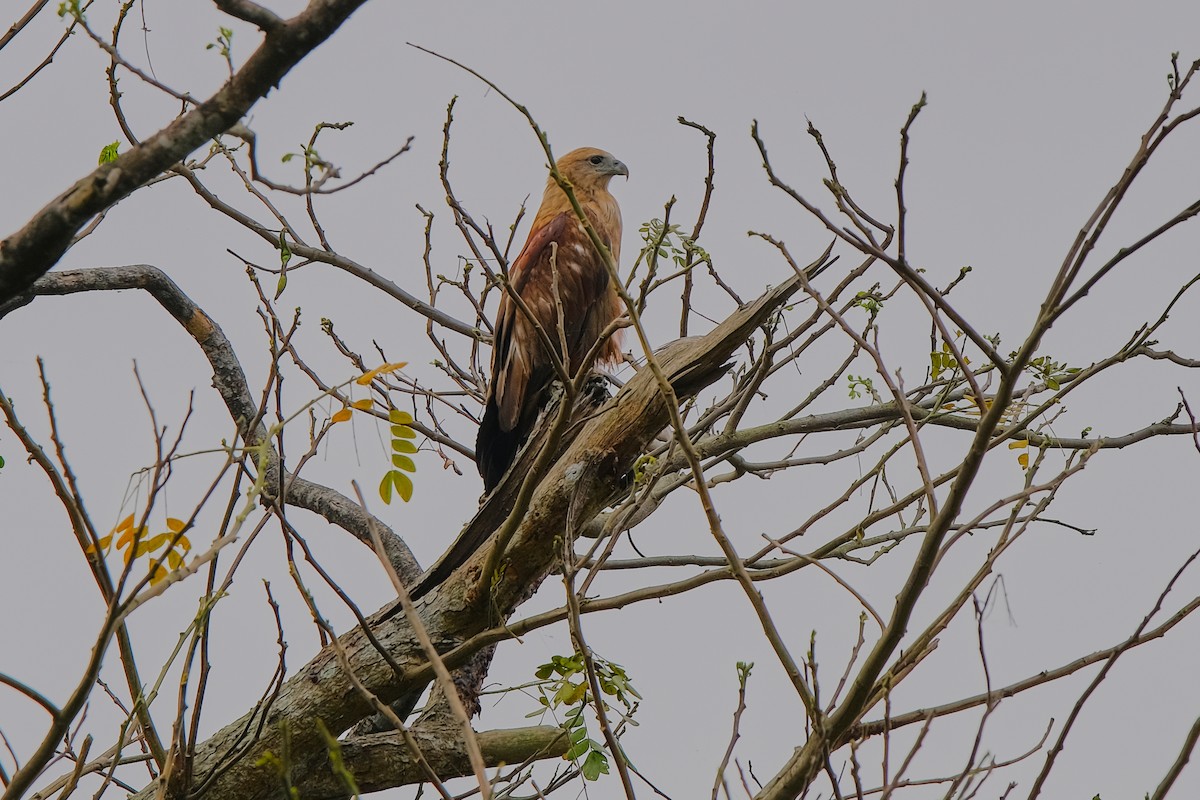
[
  {"x": 31, "y": 251},
  {"x": 230, "y": 382}
]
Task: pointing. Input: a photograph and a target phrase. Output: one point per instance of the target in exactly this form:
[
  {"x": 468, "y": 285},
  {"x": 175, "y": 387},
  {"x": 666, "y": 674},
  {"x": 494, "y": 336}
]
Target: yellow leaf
[
  {"x": 364, "y": 405},
  {"x": 157, "y": 574},
  {"x": 175, "y": 525},
  {"x": 1023, "y": 460},
  {"x": 383, "y": 369},
  {"x": 105, "y": 541},
  {"x": 183, "y": 544},
  {"x": 125, "y": 523},
  {"x": 404, "y": 486},
  {"x": 403, "y": 432},
  {"x": 398, "y": 417},
  {"x": 385, "y": 488},
  {"x": 341, "y": 416},
  {"x": 150, "y": 545},
  {"x": 174, "y": 559},
  {"x": 402, "y": 446},
  {"x": 403, "y": 462},
  {"x": 1018, "y": 445},
  {"x": 129, "y": 535},
  {"x": 156, "y": 542}
]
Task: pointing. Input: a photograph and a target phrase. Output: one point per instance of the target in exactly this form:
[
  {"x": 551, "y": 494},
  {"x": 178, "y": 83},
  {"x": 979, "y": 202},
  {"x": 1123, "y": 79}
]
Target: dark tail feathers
[{"x": 495, "y": 449}]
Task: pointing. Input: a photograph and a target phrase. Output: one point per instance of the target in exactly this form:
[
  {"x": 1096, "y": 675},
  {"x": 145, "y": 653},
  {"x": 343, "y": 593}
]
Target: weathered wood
[{"x": 382, "y": 760}]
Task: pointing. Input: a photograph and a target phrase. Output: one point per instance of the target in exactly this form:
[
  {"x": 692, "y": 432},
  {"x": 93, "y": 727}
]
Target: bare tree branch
[
  {"x": 230, "y": 382},
  {"x": 29, "y": 252}
]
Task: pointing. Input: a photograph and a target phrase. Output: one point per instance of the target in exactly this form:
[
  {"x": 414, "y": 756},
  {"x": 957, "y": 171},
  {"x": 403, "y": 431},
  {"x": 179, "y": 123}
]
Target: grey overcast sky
[{"x": 1034, "y": 109}]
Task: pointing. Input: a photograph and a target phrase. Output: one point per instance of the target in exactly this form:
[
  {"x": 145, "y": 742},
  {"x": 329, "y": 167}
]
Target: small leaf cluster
[
  {"x": 402, "y": 450},
  {"x": 860, "y": 385},
  {"x": 664, "y": 241},
  {"x": 402, "y": 446},
  {"x": 71, "y": 8},
  {"x": 943, "y": 360},
  {"x": 223, "y": 44},
  {"x": 1023, "y": 446},
  {"x": 870, "y": 301},
  {"x": 311, "y": 157},
  {"x": 136, "y": 541},
  {"x": 1050, "y": 372},
  {"x": 344, "y": 414},
  {"x": 594, "y": 762},
  {"x": 643, "y": 468},
  {"x": 566, "y": 685}
]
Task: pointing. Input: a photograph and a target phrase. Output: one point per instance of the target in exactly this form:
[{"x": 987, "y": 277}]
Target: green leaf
[
  {"x": 285, "y": 253},
  {"x": 595, "y": 765},
  {"x": 403, "y": 432},
  {"x": 404, "y": 462},
  {"x": 577, "y": 695},
  {"x": 404, "y": 486},
  {"x": 577, "y": 750},
  {"x": 385, "y": 488},
  {"x": 108, "y": 153},
  {"x": 397, "y": 417},
  {"x": 403, "y": 446}
]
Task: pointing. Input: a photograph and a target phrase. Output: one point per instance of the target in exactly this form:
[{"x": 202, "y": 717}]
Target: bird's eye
[{"x": 597, "y": 160}]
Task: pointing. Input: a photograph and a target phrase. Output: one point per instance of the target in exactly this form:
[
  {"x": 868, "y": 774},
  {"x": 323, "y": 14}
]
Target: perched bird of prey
[{"x": 521, "y": 368}]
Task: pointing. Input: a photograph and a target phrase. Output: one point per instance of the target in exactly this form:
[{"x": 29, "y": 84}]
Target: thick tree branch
[
  {"x": 380, "y": 761},
  {"x": 578, "y": 483},
  {"x": 28, "y": 253}
]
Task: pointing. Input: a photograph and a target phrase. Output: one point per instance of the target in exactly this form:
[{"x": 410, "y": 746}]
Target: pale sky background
[{"x": 1034, "y": 110}]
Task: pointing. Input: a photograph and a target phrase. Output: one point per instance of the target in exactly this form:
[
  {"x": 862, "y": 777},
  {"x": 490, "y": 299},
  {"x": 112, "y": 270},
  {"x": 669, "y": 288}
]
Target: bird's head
[{"x": 589, "y": 168}]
